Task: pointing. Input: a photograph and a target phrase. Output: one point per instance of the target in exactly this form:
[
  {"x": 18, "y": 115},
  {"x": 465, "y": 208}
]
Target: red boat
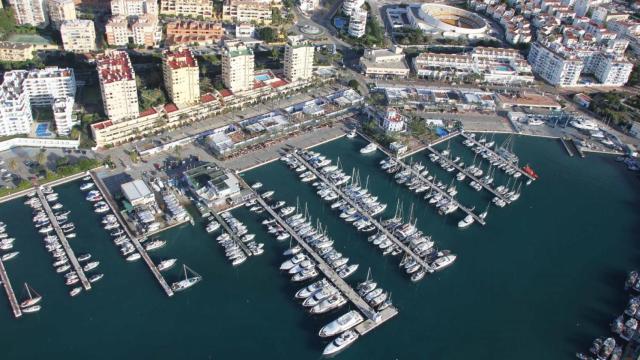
[{"x": 529, "y": 171}]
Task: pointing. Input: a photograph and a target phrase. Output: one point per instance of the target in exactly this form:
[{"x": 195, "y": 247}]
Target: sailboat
[
  {"x": 484, "y": 214},
  {"x": 32, "y": 299},
  {"x": 187, "y": 282}
]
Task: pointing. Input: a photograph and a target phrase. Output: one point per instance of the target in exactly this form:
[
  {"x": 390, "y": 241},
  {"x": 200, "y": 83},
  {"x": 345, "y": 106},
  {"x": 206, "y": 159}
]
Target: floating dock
[
  {"x": 374, "y": 318},
  {"x": 17, "y": 312},
  {"x": 143, "y": 252},
  {"x": 233, "y": 235},
  {"x": 510, "y": 164},
  {"x": 485, "y": 186},
  {"x": 377, "y": 224},
  {"x": 63, "y": 239}
]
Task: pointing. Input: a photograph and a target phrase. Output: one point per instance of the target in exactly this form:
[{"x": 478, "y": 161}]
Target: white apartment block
[
  {"x": 144, "y": 30},
  {"x": 358, "y": 23},
  {"x": 193, "y": 8},
  {"x": 245, "y": 30},
  {"x": 581, "y": 7},
  {"x": 348, "y": 6},
  {"x": 47, "y": 87},
  {"x": 30, "y": 12},
  {"x": 181, "y": 77},
  {"x": 298, "y": 59},
  {"x": 246, "y": 11},
  {"x": 384, "y": 62},
  {"x": 61, "y": 10},
  {"x": 118, "y": 85},
  {"x": 78, "y": 36},
  {"x": 556, "y": 68},
  {"x": 15, "y": 108},
  {"x": 238, "y": 66},
  {"x": 493, "y": 65},
  {"x": 134, "y": 7},
  {"x": 613, "y": 71}
]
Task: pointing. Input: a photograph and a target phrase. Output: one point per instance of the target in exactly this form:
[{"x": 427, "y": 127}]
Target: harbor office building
[{"x": 213, "y": 185}]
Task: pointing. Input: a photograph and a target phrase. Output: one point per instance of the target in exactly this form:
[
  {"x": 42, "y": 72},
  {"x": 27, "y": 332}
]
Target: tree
[
  {"x": 41, "y": 157},
  {"x": 13, "y": 164},
  {"x": 353, "y": 83},
  {"x": 275, "y": 53},
  {"x": 266, "y": 34}
]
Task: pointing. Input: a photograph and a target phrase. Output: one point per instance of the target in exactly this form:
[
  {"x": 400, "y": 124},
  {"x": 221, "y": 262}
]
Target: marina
[
  {"x": 511, "y": 165},
  {"x": 234, "y": 236},
  {"x": 139, "y": 248},
  {"x": 63, "y": 239},
  {"x": 494, "y": 267},
  {"x": 374, "y": 318},
  {"x": 11, "y": 296},
  {"x": 377, "y": 224}
]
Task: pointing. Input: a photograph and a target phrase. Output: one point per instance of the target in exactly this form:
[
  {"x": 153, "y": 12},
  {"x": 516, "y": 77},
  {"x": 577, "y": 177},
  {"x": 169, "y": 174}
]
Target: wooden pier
[
  {"x": 375, "y": 222},
  {"x": 63, "y": 239},
  {"x": 509, "y": 164},
  {"x": 470, "y": 176},
  {"x": 143, "y": 252},
  {"x": 374, "y": 318},
  {"x": 17, "y": 312},
  {"x": 233, "y": 235}
]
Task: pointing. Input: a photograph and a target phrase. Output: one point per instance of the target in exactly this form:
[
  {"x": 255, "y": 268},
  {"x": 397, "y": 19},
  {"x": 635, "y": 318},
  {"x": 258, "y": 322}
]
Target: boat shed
[{"x": 137, "y": 193}]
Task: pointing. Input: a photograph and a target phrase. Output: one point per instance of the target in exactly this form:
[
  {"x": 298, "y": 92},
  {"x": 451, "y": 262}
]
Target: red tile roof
[
  {"x": 226, "y": 92},
  {"x": 169, "y": 108},
  {"x": 208, "y": 97},
  {"x": 148, "y": 112}
]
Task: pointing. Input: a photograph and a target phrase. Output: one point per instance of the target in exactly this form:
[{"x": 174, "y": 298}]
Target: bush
[{"x": 266, "y": 34}]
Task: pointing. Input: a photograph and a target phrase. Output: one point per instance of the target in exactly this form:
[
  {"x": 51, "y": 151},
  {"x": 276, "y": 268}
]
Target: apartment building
[
  {"x": 384, "y": 62},
  {"x": 16, "y": 51},
  {"x": 134, "y": 7},
  {"x": 30, "y": 12},
  {"x": 61, "y": 10},
  {"x": 15, "y": 108},
  {"x": 44, "y": 86},
  {"x": 612, "y": 70},
  {"x": 192, "y": 8},
  {"x": 117, "y": 85},
  {"x": 298, "y": 58},
  {"x": 184, "y": 32},
  {"x": 246, "y": 11},
  {"x": 348, "y": 6},
  {"x": 358, "y": 23},
  {"x": 237, "y": 66},
  {"x": 143, "y": 30},
  {"x": 493, "y": 65},
  {"x": 78, "y": 36},
  {"x": 181, "y": 76},
  {"x": 555, "y": 67}
]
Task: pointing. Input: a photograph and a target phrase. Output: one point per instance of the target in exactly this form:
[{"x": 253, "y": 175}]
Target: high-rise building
[
  {"x": 61, "y": 10},
  {"x": 47, "y": 87},
  {"x": 348, "y": 6},
  {"x": 193, "y": 8},
  {"x": 181, "y": 76},
  {"x": 118, "y": 85},
  {"x": 237, "y": 66},
  {"x": 134, "y": 7},
  {"x": 358, "y": 23},
  {"x": 30, "y": 12},
  {"x": 78, "y": 36},
  {"x": 581, "y": 7},
  {"x": 298, "y": 58},
  {"x": 143, "y": 30},
  {"x": 556, "y": 68},
  {"x": 612, "y": 70}
]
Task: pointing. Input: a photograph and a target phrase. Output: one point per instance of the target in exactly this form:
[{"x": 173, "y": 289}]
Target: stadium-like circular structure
[{"x": 451, "y": 19}]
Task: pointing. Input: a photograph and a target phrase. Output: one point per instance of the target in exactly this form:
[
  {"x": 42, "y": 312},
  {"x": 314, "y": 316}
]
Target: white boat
[
  {"x": 96, "y": 277},
  {"x": 133, "y": 257},
  {"x": 351, "y": 134},
  {"x": 86, "y": 186},
  {"x": 443, "y": 261},
  {"x": 31, "y": 309},
  {"x": 187, "y": 282},
  {"x": 340, "y": 343},
  {"x": 368, "y": 149},
  {"x": 212, "y": 226},
  {"x": 166, "y": 264},
  {"x": 9, "y": 256},
  {"x": 466, "y": 222},
  {"x": 333, "y": 302},
  {"x": 289, "y": 264},
  {"x": 75, "y": 291},
  {"x": 256, "y": 186},
  {"x": 84, "y": 257},
  {"x": 311, "y": 289},
  {"x": 320, "y": 295},
  {"x": 90, "y": 266},
  {"x": 155, "y": 244},
  {"x": 348, "y": 271},
  {"x": 343, "y": 323},
  {"x": 32, "y": 300}
]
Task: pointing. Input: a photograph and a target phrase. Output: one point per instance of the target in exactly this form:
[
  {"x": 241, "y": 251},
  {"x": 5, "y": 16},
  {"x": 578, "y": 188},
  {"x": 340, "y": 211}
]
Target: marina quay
[{"x": 352, "y": 180}]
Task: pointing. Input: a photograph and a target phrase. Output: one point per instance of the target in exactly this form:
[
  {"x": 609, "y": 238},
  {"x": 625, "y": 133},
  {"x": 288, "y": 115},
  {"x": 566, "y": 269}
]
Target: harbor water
[{"x": 539, "y": 281}]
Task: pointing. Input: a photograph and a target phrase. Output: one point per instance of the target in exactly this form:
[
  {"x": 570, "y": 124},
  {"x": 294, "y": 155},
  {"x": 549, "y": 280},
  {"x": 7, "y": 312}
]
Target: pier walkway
[
  {"x": 509, "y": 164},
  {"x": 63, "y": 239},
  {"x": 566, "y": 146},
  {"x": 136, "y": 242},
  {"x": 375, "y": 222},
  {"x": 472, "y": 177},
  {"x": 9, "y": 289},
  {"x": 374, "y": 318},
  {"x": 231, "y": 233},
  {"x": 432, "y": 185}
]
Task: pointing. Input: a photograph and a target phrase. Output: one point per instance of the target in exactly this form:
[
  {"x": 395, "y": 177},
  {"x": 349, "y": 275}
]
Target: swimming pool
[
  {"x": 42, "y": 130},
  {"x": 339, "y": 22},
  {"x": 503, "y": 68},
  {"x": 263, "y": 77}
]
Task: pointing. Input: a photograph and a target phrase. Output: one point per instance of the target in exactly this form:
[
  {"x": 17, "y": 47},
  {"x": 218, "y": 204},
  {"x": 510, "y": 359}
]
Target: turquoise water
[
  {"x": 263, "y": 77},
  {"x": 540, "y": 281}
]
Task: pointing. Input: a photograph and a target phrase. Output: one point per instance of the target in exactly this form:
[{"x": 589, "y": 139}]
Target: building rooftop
[
  {"x": 180, "y": 58},
  {"x": 114, "y": 66},
  {"x": 135, "y": 189}
]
